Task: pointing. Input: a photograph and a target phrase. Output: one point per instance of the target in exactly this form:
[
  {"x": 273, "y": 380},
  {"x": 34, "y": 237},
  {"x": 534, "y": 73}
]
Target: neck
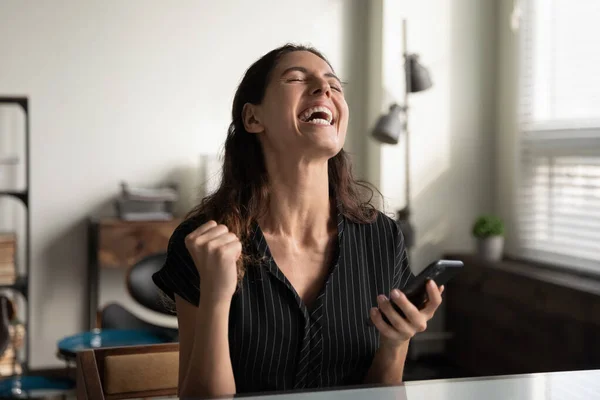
[{"x": 299, "y": 204}]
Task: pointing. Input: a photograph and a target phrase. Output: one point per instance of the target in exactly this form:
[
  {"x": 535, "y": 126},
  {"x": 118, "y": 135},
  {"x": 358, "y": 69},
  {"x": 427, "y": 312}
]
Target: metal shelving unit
[{"x": 21, "y": 284}]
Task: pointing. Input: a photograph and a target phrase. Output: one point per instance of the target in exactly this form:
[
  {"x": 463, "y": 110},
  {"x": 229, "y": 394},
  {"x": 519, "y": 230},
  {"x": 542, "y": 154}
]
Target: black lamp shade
[
  {"x": 417, "y": 76},
  {"x": 389, "y": 126}
]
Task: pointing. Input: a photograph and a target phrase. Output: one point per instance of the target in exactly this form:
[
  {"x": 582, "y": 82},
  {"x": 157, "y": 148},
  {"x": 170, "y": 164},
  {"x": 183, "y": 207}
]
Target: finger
[
  {"x": 202, "y": 229},
  {"x": 435, "y": 299},
  {"x": 234, "y": 247},
  {"x": 411, "y": 312},
  {"x": 415, "y": 318},
  {"x": 223, "y": 240},
  {"x": 211, "y": 234},
  {"x": 382, "y": 326},
  {"x": 205, "y": 227},
  {"x": 442, "y": 289},
  {"x": 397, "y": 321}
]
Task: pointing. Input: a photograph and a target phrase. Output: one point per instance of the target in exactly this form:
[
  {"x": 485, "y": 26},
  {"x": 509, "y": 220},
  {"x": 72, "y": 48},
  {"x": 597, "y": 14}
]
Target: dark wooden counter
[{"x": 514, "y": 317}]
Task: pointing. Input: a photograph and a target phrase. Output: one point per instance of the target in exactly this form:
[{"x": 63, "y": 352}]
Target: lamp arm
[{"x": 407, "y": 128}]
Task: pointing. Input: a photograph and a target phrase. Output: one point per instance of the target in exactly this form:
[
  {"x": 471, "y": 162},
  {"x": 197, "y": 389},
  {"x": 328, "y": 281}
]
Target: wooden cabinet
[
  {"x": 514, "y": 317},
  {"x": 115, "y": 243},
  {"x": 123, "y": 243}
]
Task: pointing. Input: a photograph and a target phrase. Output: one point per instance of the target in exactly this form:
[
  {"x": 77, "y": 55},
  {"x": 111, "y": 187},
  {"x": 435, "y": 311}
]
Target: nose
[{"x": 321, "y": 86}]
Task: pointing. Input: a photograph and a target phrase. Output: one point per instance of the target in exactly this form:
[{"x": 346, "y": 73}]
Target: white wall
[
  {"x": 506, "y": 124},
  {"x": 136, "y": 91},
  {"x": 452, "y": 125}
]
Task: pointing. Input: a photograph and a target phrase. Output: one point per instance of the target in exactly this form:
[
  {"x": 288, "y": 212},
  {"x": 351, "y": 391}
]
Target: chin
[
  {"x": 327, "y": 149},
  {"x": 326, "y": 141}
]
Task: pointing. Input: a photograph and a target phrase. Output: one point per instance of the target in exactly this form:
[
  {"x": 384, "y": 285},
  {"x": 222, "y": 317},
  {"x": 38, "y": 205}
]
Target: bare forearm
[
  {"x": 388, "y": 366},
  {"x": 209, "y": 372}
]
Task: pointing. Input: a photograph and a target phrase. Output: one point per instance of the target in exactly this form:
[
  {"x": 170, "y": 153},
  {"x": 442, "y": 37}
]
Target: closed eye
[{"x": 337, "y": 85}]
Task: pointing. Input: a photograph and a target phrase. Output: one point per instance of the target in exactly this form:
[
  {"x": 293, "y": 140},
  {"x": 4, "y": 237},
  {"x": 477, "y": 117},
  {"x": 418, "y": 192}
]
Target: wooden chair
[{"x": 128, "y": 372}]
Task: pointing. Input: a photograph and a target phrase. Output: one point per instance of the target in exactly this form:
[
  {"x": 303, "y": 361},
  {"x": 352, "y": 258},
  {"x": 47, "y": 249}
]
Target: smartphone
[{"x": 440, "y": 272}]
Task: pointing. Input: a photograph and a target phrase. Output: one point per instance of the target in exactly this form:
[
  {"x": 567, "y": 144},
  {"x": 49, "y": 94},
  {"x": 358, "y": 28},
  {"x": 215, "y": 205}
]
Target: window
[{"x": 559, "y": 192}]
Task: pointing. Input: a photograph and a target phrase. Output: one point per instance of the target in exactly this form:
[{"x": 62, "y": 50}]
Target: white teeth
[
  {"x": 310, "y": 111},
  {"x": 318, "y": 121}
]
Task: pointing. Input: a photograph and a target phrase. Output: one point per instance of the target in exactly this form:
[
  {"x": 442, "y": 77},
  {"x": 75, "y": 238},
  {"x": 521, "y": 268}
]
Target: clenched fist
[{"x": 215, "y": 252}]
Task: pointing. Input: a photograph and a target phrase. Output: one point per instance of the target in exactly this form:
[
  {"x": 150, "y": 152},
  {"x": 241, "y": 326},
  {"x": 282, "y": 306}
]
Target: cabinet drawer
[{"x": 123, "y": 243}]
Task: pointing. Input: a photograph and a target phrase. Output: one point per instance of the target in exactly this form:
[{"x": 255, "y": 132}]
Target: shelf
[
  {"x": 4, "y": 192},
  {"x": 22, "y": 101},
  {"x": 22, "y": 195},
  {"x": 16, "y": 160}
]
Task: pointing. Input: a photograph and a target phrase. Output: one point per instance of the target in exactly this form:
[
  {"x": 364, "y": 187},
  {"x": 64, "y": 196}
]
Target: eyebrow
[{"x": 304, "y": 70}]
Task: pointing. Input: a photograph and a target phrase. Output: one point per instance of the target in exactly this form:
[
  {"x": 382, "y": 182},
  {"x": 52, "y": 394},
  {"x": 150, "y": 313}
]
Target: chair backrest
[
  {"x": 142, "y": 288},
  {"x": 128, "y": 372}
]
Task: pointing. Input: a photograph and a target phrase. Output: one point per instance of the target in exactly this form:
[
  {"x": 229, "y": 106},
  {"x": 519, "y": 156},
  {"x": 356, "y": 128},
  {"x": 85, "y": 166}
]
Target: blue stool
[
  {"x": 118, "y": 326},
  {"x": 69, "y": 346}
]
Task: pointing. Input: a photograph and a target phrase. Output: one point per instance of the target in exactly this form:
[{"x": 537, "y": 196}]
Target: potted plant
[{"x": 489, "y": 232}]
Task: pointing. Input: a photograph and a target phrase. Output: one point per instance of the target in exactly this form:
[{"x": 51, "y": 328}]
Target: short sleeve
[
  {"x": 179, "y": 274},
  {"x": 402, "y": 271}
]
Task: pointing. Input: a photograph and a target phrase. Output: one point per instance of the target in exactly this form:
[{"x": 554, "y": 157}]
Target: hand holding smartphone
[{"x": 440, "y": 272}]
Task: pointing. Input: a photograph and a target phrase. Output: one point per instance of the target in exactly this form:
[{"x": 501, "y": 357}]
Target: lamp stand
[{"x": 404, "y": 214}]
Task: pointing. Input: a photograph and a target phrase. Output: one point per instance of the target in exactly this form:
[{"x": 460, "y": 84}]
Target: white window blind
[{"x": 559, "y": 193}]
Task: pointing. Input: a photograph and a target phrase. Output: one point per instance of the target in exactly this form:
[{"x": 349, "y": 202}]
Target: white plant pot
[{"x": 491, "y": 248}]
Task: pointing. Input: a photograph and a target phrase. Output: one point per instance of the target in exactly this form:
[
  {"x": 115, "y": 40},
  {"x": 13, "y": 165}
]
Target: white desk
[{"x": 576, "y": 385}]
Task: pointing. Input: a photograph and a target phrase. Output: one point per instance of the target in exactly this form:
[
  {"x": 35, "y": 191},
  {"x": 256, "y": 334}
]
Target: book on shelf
[
  {"x": 161, "y": 194},
  {"x": 7, "y": 246},
  {"x": 7, "y": 269},
  {"x": 147, "y": 216},
  {"x": 7, "y": 281},
  {"x": 8, "y": 366},
  {"x": 7, "y": 258},
  {"x": 8, "y": 237},
  {"x": 146, "y": 204},
  {"x": 6, "y": 261}
]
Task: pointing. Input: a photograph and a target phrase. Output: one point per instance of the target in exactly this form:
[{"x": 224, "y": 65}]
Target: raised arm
[
  {"x": 200, "y": 274},
  {"x": 204, "y": 361}
]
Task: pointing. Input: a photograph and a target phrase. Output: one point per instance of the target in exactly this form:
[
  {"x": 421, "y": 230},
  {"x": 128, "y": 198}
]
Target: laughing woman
[{"x": 275, "y": 275}]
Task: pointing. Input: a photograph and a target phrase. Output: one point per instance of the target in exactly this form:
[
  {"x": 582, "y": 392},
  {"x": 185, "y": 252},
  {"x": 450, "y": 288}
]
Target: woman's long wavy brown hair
[{"x": 243, "y": 195}]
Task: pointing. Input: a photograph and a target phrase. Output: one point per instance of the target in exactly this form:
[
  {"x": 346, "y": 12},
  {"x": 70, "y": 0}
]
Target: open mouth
[{"x": 317, "y": 115}]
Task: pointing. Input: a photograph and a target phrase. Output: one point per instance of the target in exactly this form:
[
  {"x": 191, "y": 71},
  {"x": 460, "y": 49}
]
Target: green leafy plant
[{"x": 488, "y": 225}]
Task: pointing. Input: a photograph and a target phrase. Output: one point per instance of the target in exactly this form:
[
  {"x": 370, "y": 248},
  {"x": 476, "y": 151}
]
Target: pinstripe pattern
[{"x": 276, "y": 342}]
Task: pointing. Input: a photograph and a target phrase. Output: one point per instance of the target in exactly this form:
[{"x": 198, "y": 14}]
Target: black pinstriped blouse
[{"x": 276, "y": 342}]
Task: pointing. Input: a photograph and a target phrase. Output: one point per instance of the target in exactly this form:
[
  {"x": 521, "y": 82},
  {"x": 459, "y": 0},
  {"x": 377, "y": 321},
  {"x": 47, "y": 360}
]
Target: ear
[{"x": 251, "y": 120}]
